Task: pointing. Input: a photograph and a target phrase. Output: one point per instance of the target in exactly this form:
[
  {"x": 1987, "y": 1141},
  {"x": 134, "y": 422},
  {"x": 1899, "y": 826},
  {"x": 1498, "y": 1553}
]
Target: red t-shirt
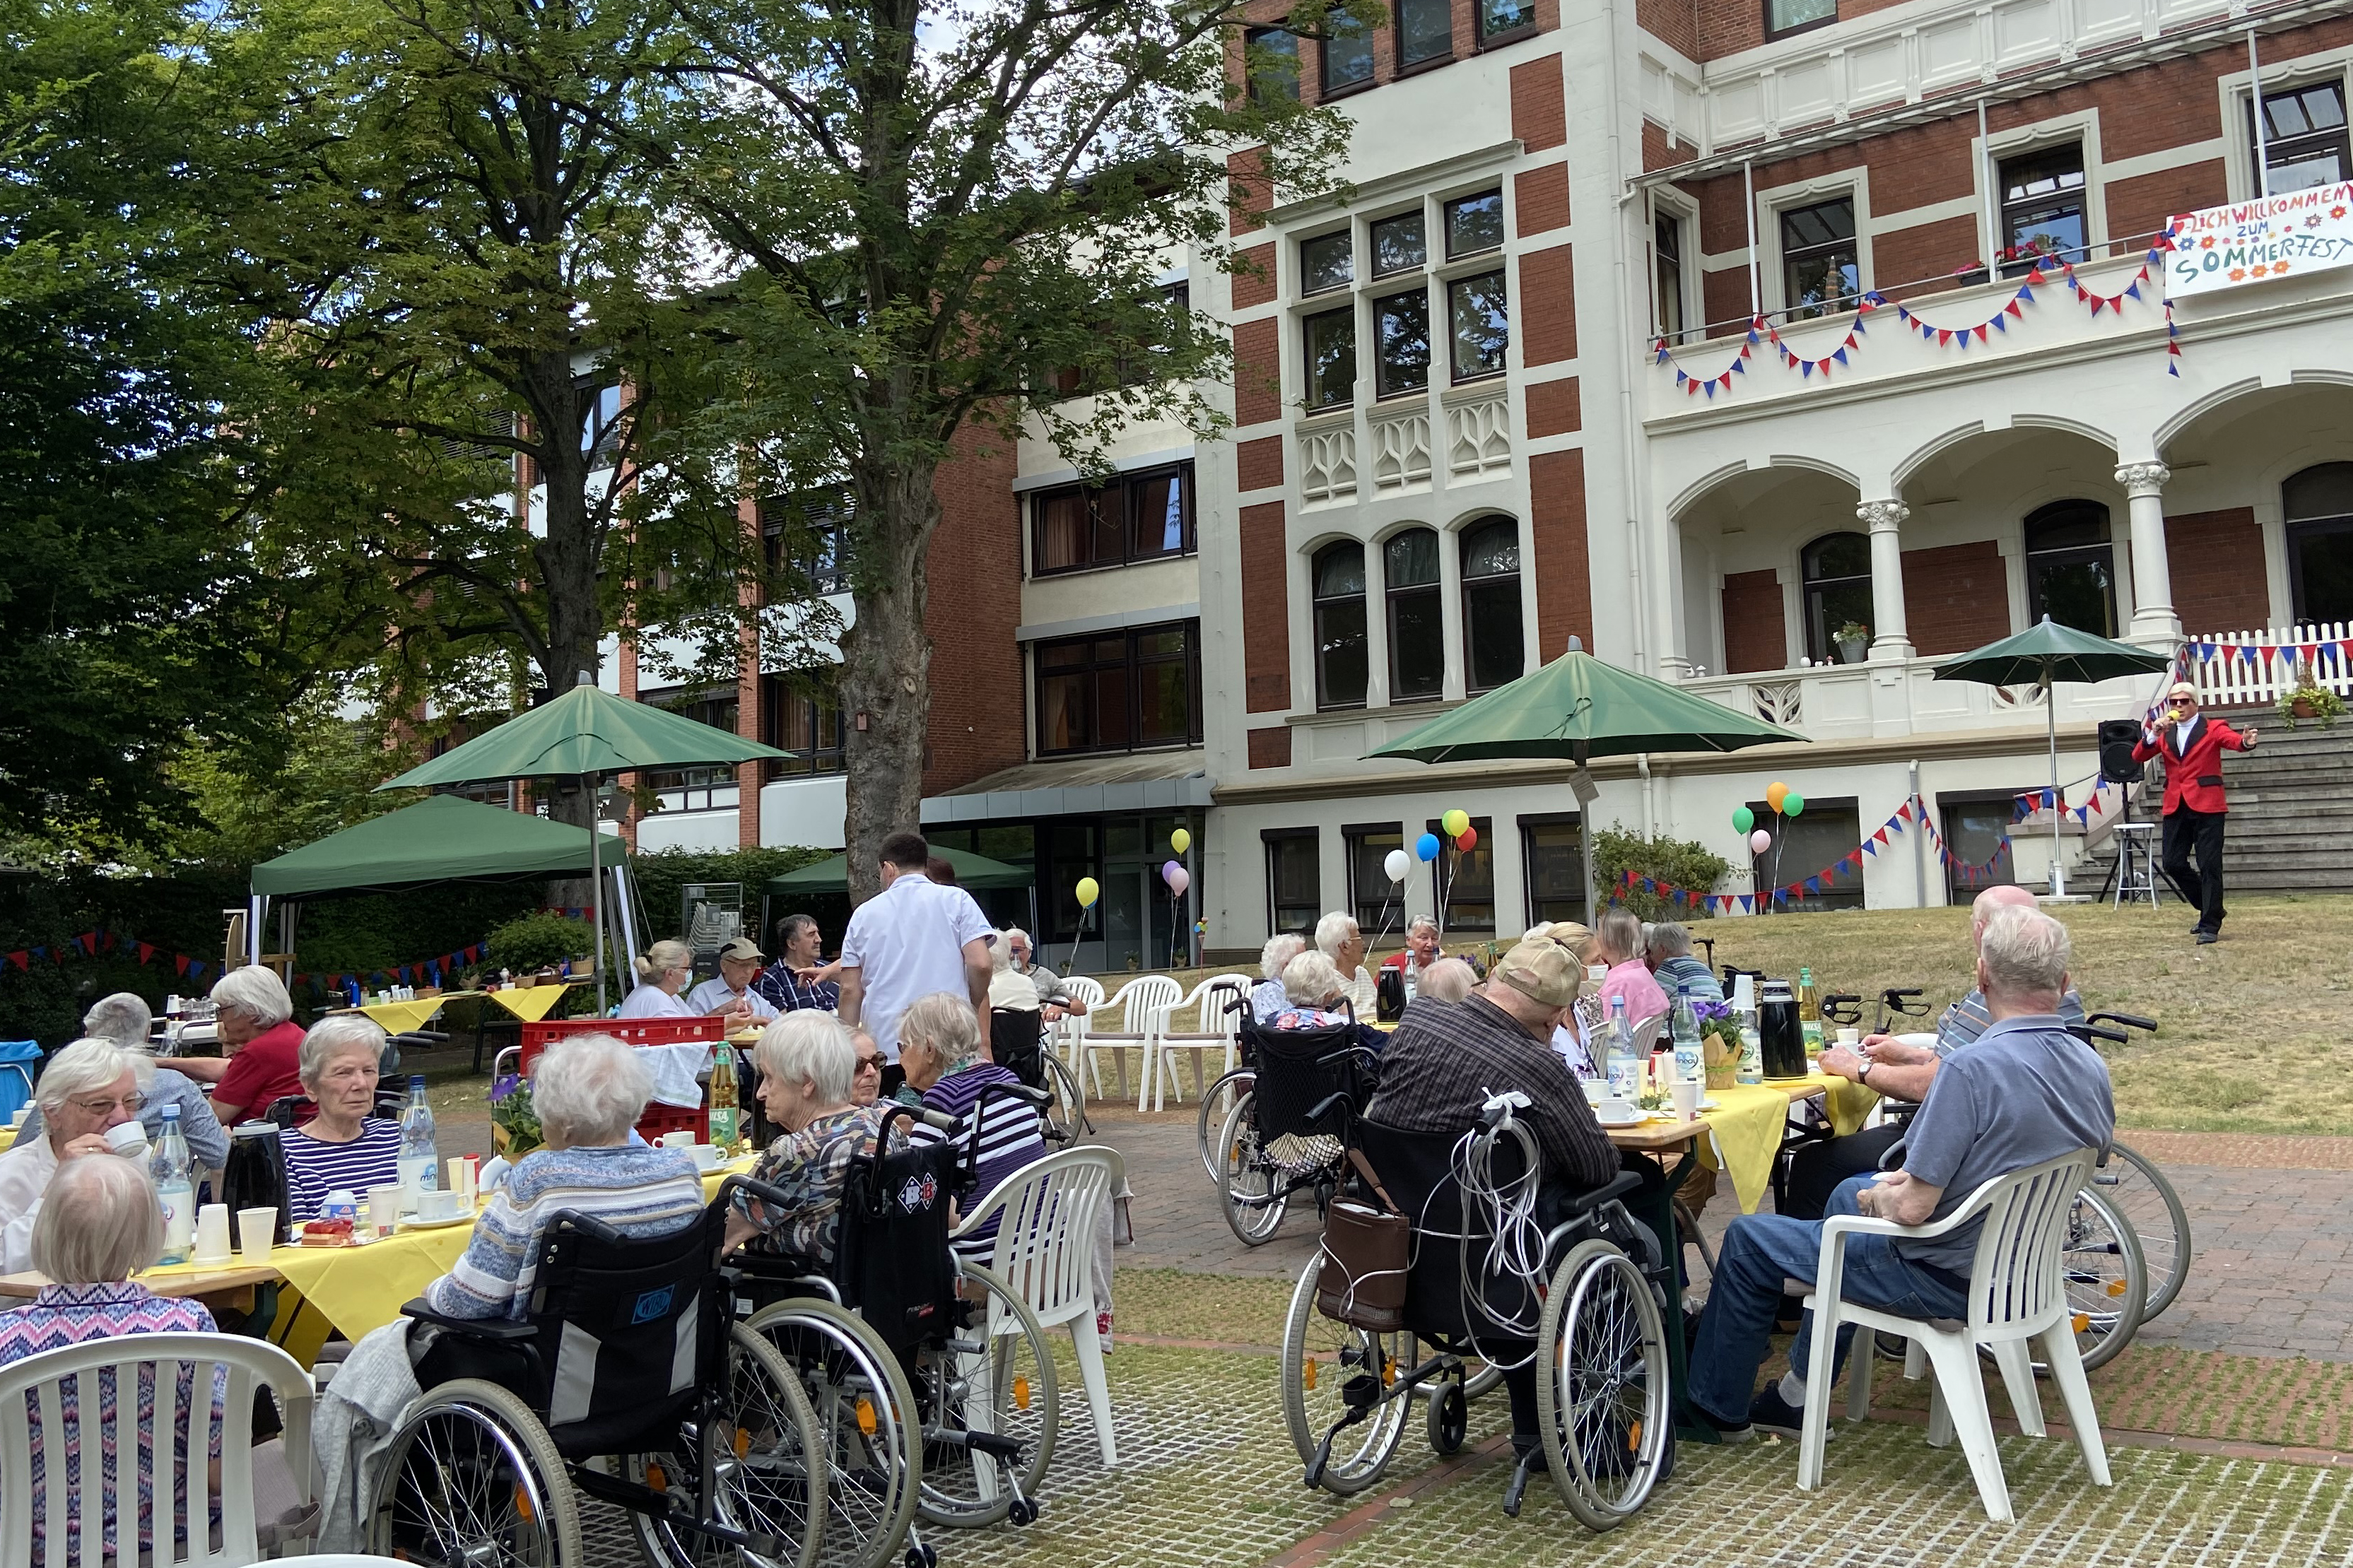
[{"x": 263, "y": 1072}]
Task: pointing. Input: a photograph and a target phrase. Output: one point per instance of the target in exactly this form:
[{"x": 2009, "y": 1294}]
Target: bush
[
  {"x": 539, "y": 941},
  {"x": 1677, "y": 861}
]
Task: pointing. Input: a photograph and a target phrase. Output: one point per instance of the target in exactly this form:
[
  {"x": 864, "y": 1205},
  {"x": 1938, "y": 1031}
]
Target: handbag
[{"x": 1364, "y": 1252}]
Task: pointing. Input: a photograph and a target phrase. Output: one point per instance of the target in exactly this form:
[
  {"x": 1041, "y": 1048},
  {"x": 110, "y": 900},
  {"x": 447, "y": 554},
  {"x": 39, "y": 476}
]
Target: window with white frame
[
  {"x": 1819, "y": 270},
  {"x": 2304, "y": 138}
]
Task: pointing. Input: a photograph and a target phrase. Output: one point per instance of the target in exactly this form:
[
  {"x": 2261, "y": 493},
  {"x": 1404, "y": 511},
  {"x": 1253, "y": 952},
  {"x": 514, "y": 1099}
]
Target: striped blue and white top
[
  {"x": 1009, "y": 1137},
  {"x": 314, "y": 1168},
  {"x": 639, "y": 1191}
]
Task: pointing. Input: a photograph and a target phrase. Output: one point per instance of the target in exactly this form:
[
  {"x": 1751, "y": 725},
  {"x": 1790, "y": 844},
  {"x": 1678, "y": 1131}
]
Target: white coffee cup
[
  {"x": 706, "y": 1155},
  {"x": 1597, "y": 1089},
  {"x": 1688, "y": 1093},
  {"x": 128, "y": 1139},
  {"x": 257, "y": 1233},
  {"x": 681, "y": 1139},
  {"x": 440, "y": 1205},
  {"x": 1849, "y": 1036},
  {"x": 212, "y": 1235},
  {"x": 1613, "y": 1110}
]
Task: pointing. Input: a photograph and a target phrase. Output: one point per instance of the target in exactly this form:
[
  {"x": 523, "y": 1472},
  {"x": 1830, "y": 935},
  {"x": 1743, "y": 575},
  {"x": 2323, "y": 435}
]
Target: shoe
[
  {"x": 1103, "y": 1331},
  {"x": 2208, "y": 937},
  {"x": 1725, "y": 1431},
  {"x": 2198, "y": 930},
  {"x": 1773, "y": 1414}
]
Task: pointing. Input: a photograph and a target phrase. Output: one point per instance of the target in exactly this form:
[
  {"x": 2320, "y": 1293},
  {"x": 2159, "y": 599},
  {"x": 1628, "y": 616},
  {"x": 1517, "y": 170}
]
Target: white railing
[
  {"x": 1400, "y": 451},
  {"x": 2227, "y": 678},
  {"x": 1479, "y": 436},
  {"x": 1327, "y": 464}
]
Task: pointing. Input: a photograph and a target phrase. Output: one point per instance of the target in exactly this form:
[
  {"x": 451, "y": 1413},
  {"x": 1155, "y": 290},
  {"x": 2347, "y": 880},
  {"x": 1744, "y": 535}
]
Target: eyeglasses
[
  {"x": 131, "y": 1103},
  {"x": 870, "y": 1064}
]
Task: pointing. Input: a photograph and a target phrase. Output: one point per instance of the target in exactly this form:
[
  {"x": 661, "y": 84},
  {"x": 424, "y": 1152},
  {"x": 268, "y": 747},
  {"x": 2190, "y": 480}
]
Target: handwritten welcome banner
[{"x": 2253, "y": 242}]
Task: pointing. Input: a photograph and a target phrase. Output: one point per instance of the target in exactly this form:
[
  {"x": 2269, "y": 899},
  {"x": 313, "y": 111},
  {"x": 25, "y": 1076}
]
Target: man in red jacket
[{"x": 2192, "y": 748}]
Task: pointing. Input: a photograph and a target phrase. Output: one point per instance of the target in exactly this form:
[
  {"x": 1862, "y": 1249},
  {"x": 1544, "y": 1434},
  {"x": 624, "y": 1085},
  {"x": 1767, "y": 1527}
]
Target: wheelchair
[
  {"x": 1283, "y": 1137},
  {"x": 628, "y": 1383},
  {"x": 1017, "y": 1042},
  {"x": 922, "y": 1414},
  {"x": 1583, "y": 1306}
]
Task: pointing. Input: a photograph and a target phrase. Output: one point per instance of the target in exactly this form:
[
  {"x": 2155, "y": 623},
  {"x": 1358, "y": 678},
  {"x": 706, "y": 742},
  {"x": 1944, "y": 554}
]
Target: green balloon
[
  {"x": 1793, "y": 804},
  {"x": 1742, "y": 819}
]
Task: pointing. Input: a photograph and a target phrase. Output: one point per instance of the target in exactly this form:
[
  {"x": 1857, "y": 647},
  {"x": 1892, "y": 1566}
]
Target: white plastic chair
[
  {"x": 1071, "y": 1031},
  {"x": 251, "y": 1363},
  {"x": 1045, "y": 1251},
  {"x": 2017, "y": 1295},
  {"x": 1144, "y": 1002},
  {"x": 1216, "y": 1028}
]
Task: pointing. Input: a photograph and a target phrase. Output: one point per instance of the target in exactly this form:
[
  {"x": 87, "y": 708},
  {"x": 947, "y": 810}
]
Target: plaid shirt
[
  {"x": 789, "y": 992},
  {"x": 1443, "y": 1062},
  {"x": 812, "y": 1166}
]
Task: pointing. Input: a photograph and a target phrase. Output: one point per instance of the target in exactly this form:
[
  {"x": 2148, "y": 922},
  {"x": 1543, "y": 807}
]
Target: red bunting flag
[
  {"x": 22, "y": 960},
  {"x": 145, "y": 953},
  {"x": 180, "y": 960}
]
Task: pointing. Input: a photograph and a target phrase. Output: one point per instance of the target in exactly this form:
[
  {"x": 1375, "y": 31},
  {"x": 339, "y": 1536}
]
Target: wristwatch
[{"x": 1862, "y": 1073}]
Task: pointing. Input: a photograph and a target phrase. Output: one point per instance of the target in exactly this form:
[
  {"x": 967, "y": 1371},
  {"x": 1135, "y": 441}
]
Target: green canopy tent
[
  {"x": 586, "y": 733},
  {"x": 832, "y": 875},
  {"x": 1576, "y": 709},
  {"x": 444, "y": 838},
  {"x": 2042, "y": 654}
]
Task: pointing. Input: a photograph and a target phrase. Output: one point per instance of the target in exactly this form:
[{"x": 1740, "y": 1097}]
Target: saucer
[{"x": 416, "y": 1222}]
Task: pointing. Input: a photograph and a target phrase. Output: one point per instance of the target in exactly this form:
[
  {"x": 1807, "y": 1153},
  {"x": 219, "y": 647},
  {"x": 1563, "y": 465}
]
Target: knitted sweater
[{"x": 640, "y": 1192}]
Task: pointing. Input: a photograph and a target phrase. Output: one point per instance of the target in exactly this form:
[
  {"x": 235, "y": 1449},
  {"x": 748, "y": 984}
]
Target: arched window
[
  {"x": 2071, "y": 569},
  {"x": 1339, "y": 572},
  {"x": 1837, "y": 571},
  {"x": 1492, "y": 649},
  {"x": 2318, "y": 506},
  {"x": 1417, "y": 629}
]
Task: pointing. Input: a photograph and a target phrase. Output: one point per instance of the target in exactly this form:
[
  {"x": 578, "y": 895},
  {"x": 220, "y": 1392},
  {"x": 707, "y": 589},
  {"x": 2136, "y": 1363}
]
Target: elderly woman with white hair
[
  {"x": 807, "y": 1078},
  {"x": 664, "y": 973},
  {"x": 87, "y": 1089},
  {"x": 940, "y": 1048},
  {"x": 1267, "y": 998},
  {"x": 1339, "y": 938},
  {"x": 123, "y": 1020},
  {"x": 343, "y": 1146},
  {"x": 263, "y": 1044}
]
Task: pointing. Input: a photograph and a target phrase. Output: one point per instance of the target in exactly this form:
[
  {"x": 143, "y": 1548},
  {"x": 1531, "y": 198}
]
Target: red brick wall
[
  {"x": 2216, "y": 560},
  {"x": 1728, "y": 27},
  {"x": 1266, "y": 610},
  {"x": 1547, "y": 307},
  {"x": 1385, "y": 60},
  {"x": 1259, "y": 463},
  {"x": 1955, "y": 596},
  {"x": 1563, "y": 555},
  {"x": 1540, "y": 111},
  {"x": 1540, "y": 199},
  {"x": 974, "y": 606},
  {"x": 1271, "y": 748},
  {"x": 2142, "y": 206},
  {"x": 1674, "y": 23},
  {"x": 1248, "y": 192},
  {"x": 1554, "y": 408},
  {"x": 1254, "y": 277},
  {"x": 1928, "y": 251},
  {"x": 1258, "y": 371},
  {"x": 1756, "y": 633}
]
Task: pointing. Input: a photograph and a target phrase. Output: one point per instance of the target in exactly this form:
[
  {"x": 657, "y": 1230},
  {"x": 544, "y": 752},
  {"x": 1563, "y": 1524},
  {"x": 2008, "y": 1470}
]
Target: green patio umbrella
[
  {"x": 2045, "y": 653},
  {"x": 832, "y": 875},
  {"x": 586, "y": 733},
  {"x": 1578, "y": 707}
]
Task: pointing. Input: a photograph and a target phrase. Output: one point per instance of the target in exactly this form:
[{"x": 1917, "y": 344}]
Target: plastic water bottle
[
  {"x": 1751, "y": 1067},
  {"x": 1691, "y": 1054},
  {"x": 420, "y": 1162},
  {"x": 1625, "y": 1063},
  {"x": 170, "y": 1167}
]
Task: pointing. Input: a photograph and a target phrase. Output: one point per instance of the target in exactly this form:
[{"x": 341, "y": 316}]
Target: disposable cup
[
  {"x": 1848, "y": 1035},
  {"x": 212, "y": 1235},
  {"x": 1687, "y": 1094},
  {"x": 384, "y": 1208},
  {"x": 257, "y": 1233}
]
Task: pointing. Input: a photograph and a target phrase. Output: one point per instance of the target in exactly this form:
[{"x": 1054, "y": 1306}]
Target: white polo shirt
[
  {"x": 906, "y": 943},
  {"x": 715, "y": 996}
]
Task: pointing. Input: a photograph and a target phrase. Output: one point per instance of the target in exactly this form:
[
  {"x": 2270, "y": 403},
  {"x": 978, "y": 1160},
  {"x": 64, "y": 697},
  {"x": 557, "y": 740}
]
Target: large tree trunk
[
  {"x": 566, "y": 556},
  {"x": 886, "y": 666}
]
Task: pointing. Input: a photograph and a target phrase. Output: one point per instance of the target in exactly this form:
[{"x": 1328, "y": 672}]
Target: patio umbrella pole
[
  {"x": 2051, "y": 713},
  {"x": 595, "y": 883}
]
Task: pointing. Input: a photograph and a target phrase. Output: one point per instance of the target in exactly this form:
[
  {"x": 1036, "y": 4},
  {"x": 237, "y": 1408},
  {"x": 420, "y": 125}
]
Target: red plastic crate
[{"x": 658, "y": 1118}]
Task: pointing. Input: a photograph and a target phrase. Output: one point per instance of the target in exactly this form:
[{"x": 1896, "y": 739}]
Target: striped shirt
[
  {"x": 1009, "y": 1137},
  {"x": 314, "y": 1168},
  {"x": 639, "y": 1191},
  {"x": 1968, "y": 1018},
  {"x": 69, "y": 1315},
  {"x": 789, "y": 992}
]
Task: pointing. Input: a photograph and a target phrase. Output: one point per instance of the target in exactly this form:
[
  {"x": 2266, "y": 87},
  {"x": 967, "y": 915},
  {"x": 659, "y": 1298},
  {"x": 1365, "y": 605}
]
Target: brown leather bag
[{"x": 1365, "y": 1251}]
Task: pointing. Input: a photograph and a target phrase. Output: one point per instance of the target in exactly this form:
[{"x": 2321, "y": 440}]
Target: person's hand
[
  {"x": 1878, "y": 1200},
  {"x": 810, "y": 975},
  {"x": 739, "y": 1231},
  {"x": 1052, "y": 1012},
  {"x": 1841, "y": 1062},
  {"x": 87, "y": 1143},
  {"x": 1892, "y": 1052},
  {"x": 2249, "y": 741}
]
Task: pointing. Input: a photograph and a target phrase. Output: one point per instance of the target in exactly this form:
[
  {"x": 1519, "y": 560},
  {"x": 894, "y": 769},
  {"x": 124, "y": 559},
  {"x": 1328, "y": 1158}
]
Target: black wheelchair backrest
[
  {"x": 1013, "y": 1043},
  {"x": 626, "y": 1327},
  {"x": 892, "y": 1263},
  {"x": 1418, "y": 1171},
  {"x": 1298, "y": 1073}
]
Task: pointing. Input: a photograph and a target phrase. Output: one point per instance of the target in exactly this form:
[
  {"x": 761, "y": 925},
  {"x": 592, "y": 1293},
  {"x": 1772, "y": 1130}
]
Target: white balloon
[
  {"x": 1397, "y": 863},
  {"x": 1760, "y": 841}
]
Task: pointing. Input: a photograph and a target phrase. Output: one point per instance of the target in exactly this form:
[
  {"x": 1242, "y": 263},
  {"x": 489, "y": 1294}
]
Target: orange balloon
[{"x": 1776, "y": 792}]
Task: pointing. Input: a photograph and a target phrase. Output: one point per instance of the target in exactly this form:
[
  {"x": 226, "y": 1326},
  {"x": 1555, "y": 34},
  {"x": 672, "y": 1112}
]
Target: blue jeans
[{"x": 1760, "y": 1251}]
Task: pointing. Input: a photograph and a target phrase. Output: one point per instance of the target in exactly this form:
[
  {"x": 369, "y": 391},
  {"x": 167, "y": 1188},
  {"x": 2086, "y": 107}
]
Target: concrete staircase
[{"x": 2290, "y": 812}]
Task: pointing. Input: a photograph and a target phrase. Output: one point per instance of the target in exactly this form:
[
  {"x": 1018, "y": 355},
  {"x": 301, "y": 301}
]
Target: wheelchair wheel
[
  {"x": 471, "y": 1476},
  {"x": 1217, "y": 1101},
  {"x": 1255, "y": 1193},
  {"x": 1066, "y": 1111},
  {"x": 769, "y": 1464},
  {"x": 2139, "y": 1191},
  {"x": 1000, "y": 1384},
  {"x": 2106, "y": 1281},
  {"x": 1450, "y": 1416},
  {"x": 864, "y": 1410},
  {"x": 1601, "y": 1389},
  {"x": 1320, "y": 1354}
]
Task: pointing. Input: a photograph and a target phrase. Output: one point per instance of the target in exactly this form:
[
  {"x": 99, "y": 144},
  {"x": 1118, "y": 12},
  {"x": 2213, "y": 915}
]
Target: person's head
[
  {"x": 902, "y": 853},
  {"x": 1448, "y": 980},
  {"x": 807, "y": 1068},
  {"x": 1665, "y": 939},
  {"x": 87, "y": 1087},
  {"x": 249, "y": 1002},
  {"x": 667, "y": 965},
  {"x": 1280, "y": 950},
  {"x": 123, "y": 1018},
  {"x": 1619, "y": 937},
  {"x": 588, "y": 1091},
  {"x": 739, "y": 962},
  {"x": 338, "y": 1066},
  {"x": 798, "y": 940},
  {"x": 2181, "y": 702},
  {"x": 939, "y": 1036},
  {"x": 1993, "y": 901},
  {"x": 1018, "y": 947},
  {"x": 1340, "y": 939},
  {"x": 2022, "y": 962},
  {"x": 1569, "y": 935},
  {"x": 1421, "y": 938},
  {"x": 1312, "y": 979},
  {"x": 1537, "y": 982},
  {"x": 101, "y": 1221},
  {"x": 939, "y": 870},
  {"x": 1000, "y": 951},
  {"x": 865, "y": 1081}
]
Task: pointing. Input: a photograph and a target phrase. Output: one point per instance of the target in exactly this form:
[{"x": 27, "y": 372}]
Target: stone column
[
  {"x": 1890, "y": 639},
  {"x": 2152, "y": 618}
]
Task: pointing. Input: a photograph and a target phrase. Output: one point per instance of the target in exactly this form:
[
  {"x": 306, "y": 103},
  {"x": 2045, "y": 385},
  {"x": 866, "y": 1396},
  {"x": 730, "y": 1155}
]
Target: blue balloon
[{"x": 1427, "y": 845}]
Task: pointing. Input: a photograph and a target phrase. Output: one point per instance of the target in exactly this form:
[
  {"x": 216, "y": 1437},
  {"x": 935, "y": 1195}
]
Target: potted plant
[
  {"x": 1853, "y": 641},
  {"x": 2310, "y": 699},
  {"x": 1720, "y": 1034}
]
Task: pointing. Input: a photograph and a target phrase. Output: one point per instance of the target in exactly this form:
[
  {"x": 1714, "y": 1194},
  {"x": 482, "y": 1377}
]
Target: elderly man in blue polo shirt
[{"x": 2024, "y": 1092}]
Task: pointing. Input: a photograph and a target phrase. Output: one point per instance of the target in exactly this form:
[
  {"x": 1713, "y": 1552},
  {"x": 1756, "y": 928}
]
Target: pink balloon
[
  {"x": 1177, "y": 878},
  {"x": 1760, "y": 842}
]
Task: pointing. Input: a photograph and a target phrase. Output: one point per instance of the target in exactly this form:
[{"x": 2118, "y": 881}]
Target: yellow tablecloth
[
  {"x": 1746, "y": 1126},
  {"x": 399, "y": 1017},
  {"x": 531, "y": 1003}
]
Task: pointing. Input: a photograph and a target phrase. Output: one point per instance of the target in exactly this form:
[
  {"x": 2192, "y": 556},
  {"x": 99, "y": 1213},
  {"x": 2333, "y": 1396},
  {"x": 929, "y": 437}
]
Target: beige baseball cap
[
  {"x": 1541, "y": 968},
  {"x": 743, "y": 947}
]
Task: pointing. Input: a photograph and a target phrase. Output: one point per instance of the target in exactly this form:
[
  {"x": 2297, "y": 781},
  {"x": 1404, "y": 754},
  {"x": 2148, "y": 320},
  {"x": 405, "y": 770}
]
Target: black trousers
[
  {"x": 1816, "y": 1170},
  {"x": 2186, "y": 829}
]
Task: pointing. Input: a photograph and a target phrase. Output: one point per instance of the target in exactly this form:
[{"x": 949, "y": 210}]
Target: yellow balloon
[
  {"x": 1455, "y": 822},
  {"x": 1180, "y": 841},
  {"x": 1089, "y": 891},
  {"x": 1776, "y": 792}
]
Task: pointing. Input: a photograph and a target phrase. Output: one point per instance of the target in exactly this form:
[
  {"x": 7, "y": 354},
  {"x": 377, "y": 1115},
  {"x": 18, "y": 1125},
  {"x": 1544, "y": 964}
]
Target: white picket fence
[{"x": 2228, "y": 679}]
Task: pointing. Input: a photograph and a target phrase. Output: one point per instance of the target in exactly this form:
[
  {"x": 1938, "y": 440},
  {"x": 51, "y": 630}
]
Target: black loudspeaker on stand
[{"x": 2117, "y": 738}]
